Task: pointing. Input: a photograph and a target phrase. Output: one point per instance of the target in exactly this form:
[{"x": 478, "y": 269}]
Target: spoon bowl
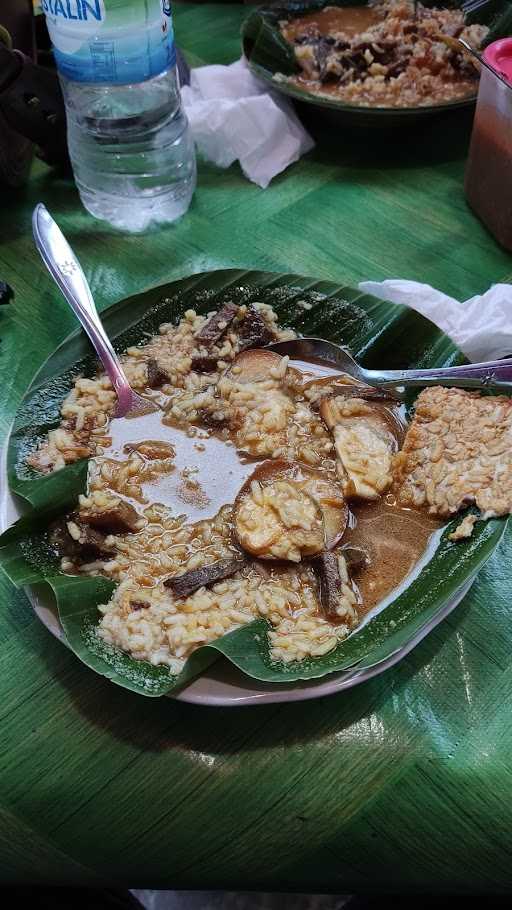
[{"x": 494, "y": 374}]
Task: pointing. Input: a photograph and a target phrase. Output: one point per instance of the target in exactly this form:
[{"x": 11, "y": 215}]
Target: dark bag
[
  {"x": 32, "y": 113},
  {"x": 31, "y": 104}
]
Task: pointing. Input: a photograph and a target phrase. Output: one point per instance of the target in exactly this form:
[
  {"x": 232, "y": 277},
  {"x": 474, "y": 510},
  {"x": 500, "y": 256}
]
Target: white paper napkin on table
[
  {"x": 234, "y": 116},
  {"x": 481, "y": 327}
]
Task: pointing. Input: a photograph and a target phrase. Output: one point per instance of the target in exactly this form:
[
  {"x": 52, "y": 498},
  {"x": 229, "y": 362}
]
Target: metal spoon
[
  {"x": 496, "y": 373},
  {"x": 67, "y": 273},
  {"x": 461, "y": 45}
]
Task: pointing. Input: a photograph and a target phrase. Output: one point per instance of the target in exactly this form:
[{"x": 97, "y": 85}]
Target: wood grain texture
[{"x": 403, "y": 782}]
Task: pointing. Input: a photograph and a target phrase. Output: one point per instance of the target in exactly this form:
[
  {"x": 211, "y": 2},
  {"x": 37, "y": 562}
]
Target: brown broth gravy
[
  {"x": 395, "y": 539},
  {"x": 350, "y": 20},
  {"x": 210, "y": 466},
  {"x": 208, "y": 472}
]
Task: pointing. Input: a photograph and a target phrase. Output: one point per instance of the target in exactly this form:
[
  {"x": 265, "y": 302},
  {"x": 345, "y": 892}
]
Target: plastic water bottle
[{"x": 129, "y": 142}]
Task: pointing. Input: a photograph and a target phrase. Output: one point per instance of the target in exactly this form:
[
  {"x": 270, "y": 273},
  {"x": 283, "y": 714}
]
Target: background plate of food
[
  {"x": 373, "y": 63},
  {"x": 266, "y": 512}
]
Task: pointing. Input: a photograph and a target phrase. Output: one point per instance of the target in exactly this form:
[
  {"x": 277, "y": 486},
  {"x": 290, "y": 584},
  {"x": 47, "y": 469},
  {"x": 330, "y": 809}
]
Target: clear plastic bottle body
[
  {"x": 131, "y": 150},
  {"x": 130, "y": 146}
]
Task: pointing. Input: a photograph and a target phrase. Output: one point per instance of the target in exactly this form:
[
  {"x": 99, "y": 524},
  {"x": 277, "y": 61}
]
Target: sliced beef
[
  {"x": 157, "y": 377},
  {"x": 119, "y": 519},
  {"x": 254, "y": 331},
  {"x": 398, "y": 67},
  {"x": 215, "y": 328},
  {"x": 90, "y": 546},
  {"x": 328, "y": 573},
  {"x": 204, "y": 363},
  {"x": 186, "y": 584},
  {"x": 322, "y": 52}
]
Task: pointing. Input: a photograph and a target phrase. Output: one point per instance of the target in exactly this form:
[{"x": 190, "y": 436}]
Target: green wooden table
[{"x": 403, "y": 783}]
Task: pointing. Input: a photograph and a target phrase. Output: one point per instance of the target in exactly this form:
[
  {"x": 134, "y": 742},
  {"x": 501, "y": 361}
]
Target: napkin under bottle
[{"x": 233, "y": 116}]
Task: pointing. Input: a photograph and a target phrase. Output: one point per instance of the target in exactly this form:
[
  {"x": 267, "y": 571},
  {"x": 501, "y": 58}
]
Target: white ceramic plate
[{"x": 223, "y": 684}]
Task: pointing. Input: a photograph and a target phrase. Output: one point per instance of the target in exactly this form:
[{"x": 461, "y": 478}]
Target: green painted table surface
[{"x": 402, "y": 783}]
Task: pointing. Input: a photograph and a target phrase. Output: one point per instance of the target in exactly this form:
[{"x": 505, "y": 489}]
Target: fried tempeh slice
[
  {"x": 366, "y": 438},
  {"x": 457, "y": 451},
  {"x": 186, "y": 584}
]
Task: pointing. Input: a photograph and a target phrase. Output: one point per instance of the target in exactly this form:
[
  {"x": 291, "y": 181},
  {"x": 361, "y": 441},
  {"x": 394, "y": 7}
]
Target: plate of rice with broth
[
  {"x": 271, "y": 529},
  {"x": 387, "y": 59}
]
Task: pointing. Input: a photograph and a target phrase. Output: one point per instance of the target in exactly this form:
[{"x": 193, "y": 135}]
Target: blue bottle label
[{"x": 111, "y": 41}]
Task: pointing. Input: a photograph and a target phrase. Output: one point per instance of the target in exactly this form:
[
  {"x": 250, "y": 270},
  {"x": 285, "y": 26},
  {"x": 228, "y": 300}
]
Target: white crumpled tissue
[
  {"x": 234, "y": 116},
  {"x": 481, "y": 327}
]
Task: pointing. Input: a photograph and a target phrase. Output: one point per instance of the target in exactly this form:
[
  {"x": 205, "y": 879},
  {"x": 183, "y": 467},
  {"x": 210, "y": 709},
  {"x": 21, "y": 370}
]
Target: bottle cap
[{"x": 499, "y": 56}]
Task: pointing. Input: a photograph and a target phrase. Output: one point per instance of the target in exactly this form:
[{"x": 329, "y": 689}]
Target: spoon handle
[
  {"x": 472, "y": 375},
  {"x": 66, "y": 271}
]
